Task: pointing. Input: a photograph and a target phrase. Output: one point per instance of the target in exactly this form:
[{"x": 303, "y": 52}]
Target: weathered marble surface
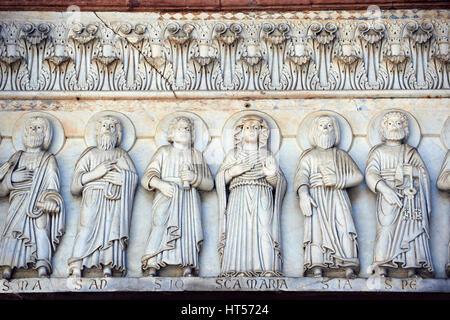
[
  {"x": 288, "y": 113},
  {"x": 177, "y": 284},
  {"x": 309, "y": 51}
]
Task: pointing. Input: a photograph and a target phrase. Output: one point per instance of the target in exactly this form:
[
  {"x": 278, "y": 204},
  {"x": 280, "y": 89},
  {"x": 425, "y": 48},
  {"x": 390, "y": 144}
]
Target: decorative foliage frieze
[{"x": 239, "y": 54}]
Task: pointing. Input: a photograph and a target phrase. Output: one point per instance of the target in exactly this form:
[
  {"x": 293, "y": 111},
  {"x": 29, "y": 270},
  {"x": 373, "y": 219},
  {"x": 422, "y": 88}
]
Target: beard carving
[
  {"x": 34, "y": 139},
  {"x": 394, "y": 134},
  {"x": 107, "y": 140},
  {"x": 326, "y": 140}
]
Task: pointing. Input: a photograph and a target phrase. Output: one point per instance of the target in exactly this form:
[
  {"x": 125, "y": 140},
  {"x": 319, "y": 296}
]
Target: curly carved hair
[
  {"x": 384, "y": 121},
  {"x": 117, "y": 124},
  {"x": 263, "y": 136},
  {"x": 48, "y": 131},
  {"x": 173, "y": 125}
]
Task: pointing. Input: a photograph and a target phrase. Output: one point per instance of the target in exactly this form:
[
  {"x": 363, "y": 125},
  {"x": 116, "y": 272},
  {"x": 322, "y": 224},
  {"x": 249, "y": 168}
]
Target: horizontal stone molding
[
  {"x": 201, "y": 52},
  {"x": 127, "y": 95},
  {"x": 168, "y": 5},
  {"x": 211, "y": 284}
]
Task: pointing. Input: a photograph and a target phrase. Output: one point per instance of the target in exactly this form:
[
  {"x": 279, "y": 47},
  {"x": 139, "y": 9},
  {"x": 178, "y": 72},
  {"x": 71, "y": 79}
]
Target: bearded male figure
[
  {"x": 443, "y": 183},
  {"x": 250, "y": 187},
  {"x": 36, "y": 216},
  {"x": 106, "y": 177},
  {"x": 323, "y": 173},
  {"x": 177, "y": 172},
  {"x": 397, "y": 174}
]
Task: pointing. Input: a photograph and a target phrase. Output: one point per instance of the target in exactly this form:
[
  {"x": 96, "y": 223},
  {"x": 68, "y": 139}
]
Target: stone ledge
[
  {"x": 150, "y": 95},
  {"x": 171, "y": 5},
  {"x": 178, "y": 284}
]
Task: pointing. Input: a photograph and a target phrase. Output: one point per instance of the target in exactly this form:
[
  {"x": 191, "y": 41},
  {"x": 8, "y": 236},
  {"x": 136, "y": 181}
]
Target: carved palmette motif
[{"x": 264, "y": 54}]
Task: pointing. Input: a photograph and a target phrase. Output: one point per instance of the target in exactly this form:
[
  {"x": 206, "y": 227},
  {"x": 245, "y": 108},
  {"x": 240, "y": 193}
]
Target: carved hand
[
  {"x": 306, "y": 201},
  {"x": 187, "y": 175},
  {"x": 392, "y": 197},
  {"x": 330, "y": 180},
  {"x": 114, "y": 178},
  {"x": 21, "y": 175},
  {"x": 49, "y": 206},
  {"x": 103, "y": 168},
  {"x": 329, "y": 177},
  {"x": 270, "y": 168},
  {"x": 167, "y": 189},
  {"x": 239, "y": 169}
]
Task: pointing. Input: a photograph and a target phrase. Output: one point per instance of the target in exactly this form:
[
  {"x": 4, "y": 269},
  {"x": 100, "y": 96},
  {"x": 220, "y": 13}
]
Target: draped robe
[
  {"x": 176, "y": 233},
  {"x": 103, "y": 228},
  {"x": 249, "y": 218},
  {"x": 330, "y": 235},
  {"x": 402, "y": 238},
  {"x": 31, "y": 236},
  {"x": 443, "y": 183}
]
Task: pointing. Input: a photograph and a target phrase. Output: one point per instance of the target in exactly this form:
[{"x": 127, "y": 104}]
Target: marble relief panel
[{"x": 316, "y": 150}]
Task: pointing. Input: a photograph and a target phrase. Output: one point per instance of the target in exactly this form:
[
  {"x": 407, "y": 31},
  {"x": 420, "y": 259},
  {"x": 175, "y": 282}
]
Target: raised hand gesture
[
  {"x": 269, "y": 167},
  {"x": 22, "y": 175}
]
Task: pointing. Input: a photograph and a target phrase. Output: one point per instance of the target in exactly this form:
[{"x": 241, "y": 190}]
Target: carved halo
[
  {"x": 201, "y": 134},
  {"x": 128, "y": 131},
  {"x": 58, "y": 137},
  {"x": 228, "y": 130},
  {"x": 445, "y": 133},
  {"x": 346, "y": 133},
  {"x": 373, "y": 131}
]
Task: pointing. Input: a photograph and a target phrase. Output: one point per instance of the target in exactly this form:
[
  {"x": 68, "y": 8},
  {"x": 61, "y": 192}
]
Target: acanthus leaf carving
[
  {"x": 229, "y": 38},
  {"x": 203, "y": 55},
  {"x": 83, "y": 39},
  {"x": 300, "y": 70},
  {"x": 323, "y": 42}
]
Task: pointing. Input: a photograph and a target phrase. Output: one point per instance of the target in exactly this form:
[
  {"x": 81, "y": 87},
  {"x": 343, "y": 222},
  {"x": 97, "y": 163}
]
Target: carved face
[
  {"x": 181, "y": 131},
  {"x": 394, "y": 126},
  {"x": 108, "y": 133},
  {"x": 36, "y": 129},
  {"x": 325, "y": 132},
  {"x": 251, "y": 130}
]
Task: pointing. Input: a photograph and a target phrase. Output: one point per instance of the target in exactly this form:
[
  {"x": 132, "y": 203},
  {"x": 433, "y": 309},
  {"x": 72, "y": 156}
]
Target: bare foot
[
  {"x": 350, "y": 273},
  {"x": 187, "y": 272},
  {"x": 42, "y": 272},
  {"x": 7, "y": 272},
  {"x": 107, "y": 272},
  {"x": 382, "y": 272},
  {"x": 317, "y": 272},
  {"x": 152, "y": 272},
  {"x": 76, "y": 273}
]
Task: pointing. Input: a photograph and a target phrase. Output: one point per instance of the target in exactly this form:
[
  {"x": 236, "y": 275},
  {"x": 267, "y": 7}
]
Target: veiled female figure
[{"x": 250, "y": 187}]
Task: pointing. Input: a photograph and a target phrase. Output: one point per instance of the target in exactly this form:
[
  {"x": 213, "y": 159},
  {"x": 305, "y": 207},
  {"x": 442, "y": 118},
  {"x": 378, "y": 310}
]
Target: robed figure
[
  {"x": 106, "y": 178},
  {"x": 177, "y": 172},
  {"x": 250, "y": 187},
  {"x": 323, "y": 174},
  {"x": 36, "y": 216},
  {"x": 397, "y": 174},
  {"x": 443, "y": 183}
]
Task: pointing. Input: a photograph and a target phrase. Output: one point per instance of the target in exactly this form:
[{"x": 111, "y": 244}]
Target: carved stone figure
[
  {"x": 36, "y": 216},
  {"x": 323, "y": 173},
  {"x": 443, "y": 183},
  {"x": 177, "y": 172},
  {"x": 397, "y": 174},
  {"x": 251, "y": 188},
  {"x": 106, "y": 177}
]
